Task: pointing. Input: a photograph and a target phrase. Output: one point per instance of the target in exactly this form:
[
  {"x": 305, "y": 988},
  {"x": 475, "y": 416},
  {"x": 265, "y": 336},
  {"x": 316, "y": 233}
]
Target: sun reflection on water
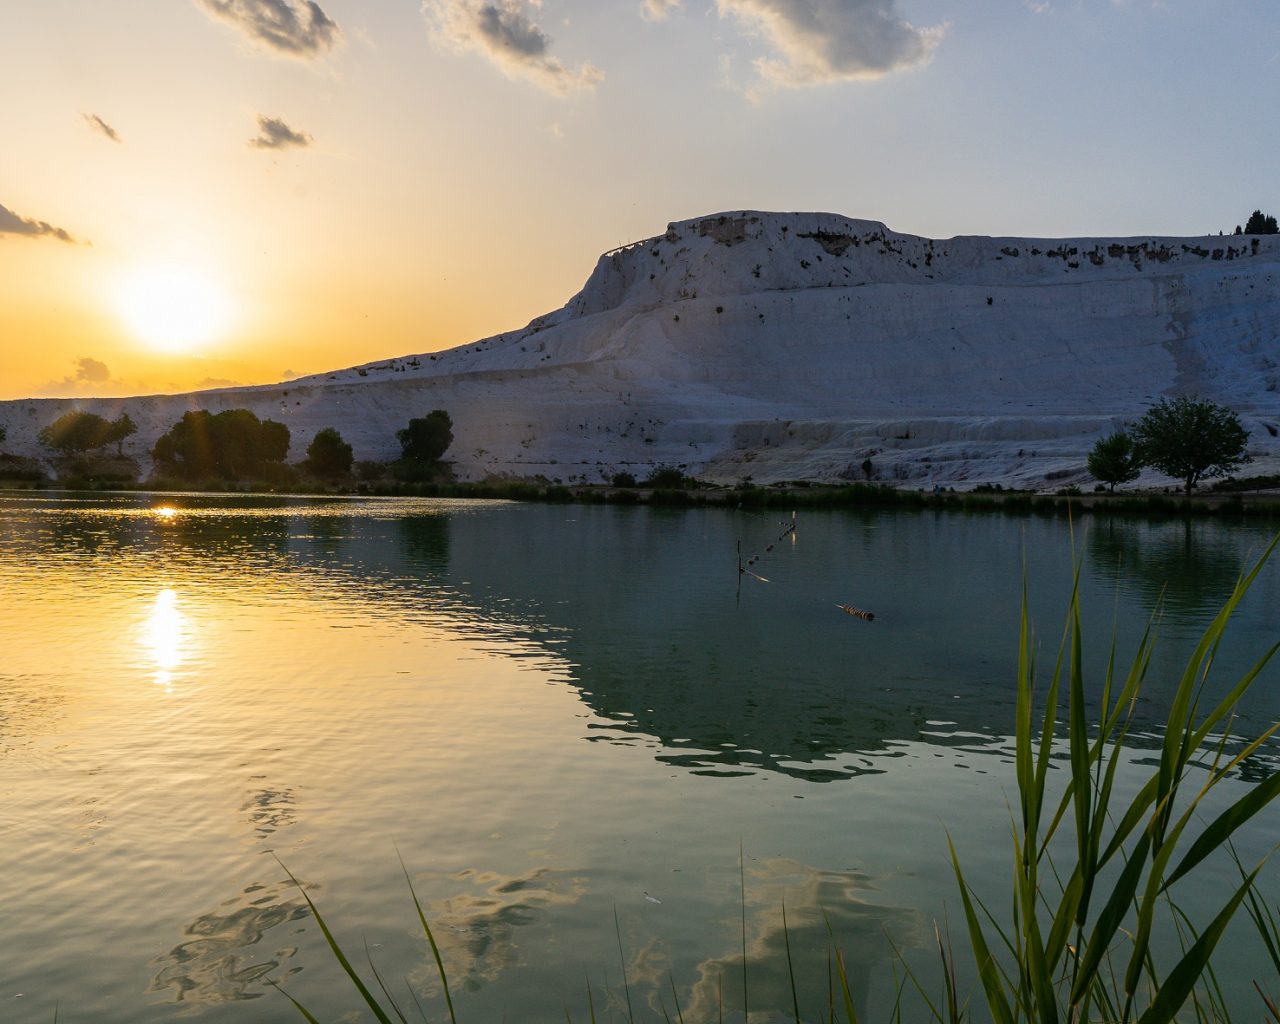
[
  {"x": 164, "y": 636},
  {"x": 165, "y": 513}
]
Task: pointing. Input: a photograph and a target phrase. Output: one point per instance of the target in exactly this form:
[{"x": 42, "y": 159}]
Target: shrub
[
  {"x": 427, "y": 438},
  {"x": 328, "y": 455},
  {"x": 667, "y": 478},
  {"x": 1114, "y": 460},
  {"x": 623, "y": 480}
]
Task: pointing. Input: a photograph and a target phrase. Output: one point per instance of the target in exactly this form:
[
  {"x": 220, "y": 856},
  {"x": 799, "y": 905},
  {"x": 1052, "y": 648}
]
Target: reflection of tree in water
[
  {"x": 425, "y": 540},
  {"x": 1192, "y": 565},
  {"x": 215, "y": 964},
  {"x": 814, "y": 898},
  {"x": 476, "y": 930}
]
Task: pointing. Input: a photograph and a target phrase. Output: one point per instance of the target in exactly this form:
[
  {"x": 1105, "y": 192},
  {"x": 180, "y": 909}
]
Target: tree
[
  {"x": 120, "y": 428},
  {"x": 1190, "y": 439},
  {"x": 3, "y": 433},
  {"x": 234, "y": 444},
  {"x": 75, "y": 432},
  {"x": 1114, "y": 460},
  {"x": 427, "y": 438},
  {"x": 328, "y": 454},
  {"x": 1260, "y": 224}
]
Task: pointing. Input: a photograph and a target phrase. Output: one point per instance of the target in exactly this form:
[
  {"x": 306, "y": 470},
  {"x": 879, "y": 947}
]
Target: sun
[{"x": 174, "y": 308}]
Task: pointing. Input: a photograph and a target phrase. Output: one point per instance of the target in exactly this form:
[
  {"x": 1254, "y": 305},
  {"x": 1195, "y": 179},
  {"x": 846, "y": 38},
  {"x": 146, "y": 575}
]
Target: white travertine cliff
[{"x": 788, "y": 346}]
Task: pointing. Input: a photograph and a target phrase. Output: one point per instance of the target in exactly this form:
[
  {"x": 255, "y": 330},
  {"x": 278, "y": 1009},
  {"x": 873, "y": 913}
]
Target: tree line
[{"x": 236, "y": 445}]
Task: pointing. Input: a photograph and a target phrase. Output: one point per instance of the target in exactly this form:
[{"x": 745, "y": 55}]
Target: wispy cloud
[
  {"x": 505, "y": 32},
  {"x": 273, "y": 133},
  {"x": 819, "y": 41},
  {"x": 288, "y": 28},
  {"x": 12, "y": 224},
  {"x": 659, "y": 10},
  {"x": 101, "y": 126}
]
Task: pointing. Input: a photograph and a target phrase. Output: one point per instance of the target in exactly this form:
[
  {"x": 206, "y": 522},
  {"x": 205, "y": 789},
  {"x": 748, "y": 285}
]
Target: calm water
[{"x": 552, "y": 713}]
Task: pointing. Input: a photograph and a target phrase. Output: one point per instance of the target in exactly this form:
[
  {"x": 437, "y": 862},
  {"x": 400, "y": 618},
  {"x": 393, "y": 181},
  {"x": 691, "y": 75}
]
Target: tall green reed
[{"x": 1080, "y": 949}]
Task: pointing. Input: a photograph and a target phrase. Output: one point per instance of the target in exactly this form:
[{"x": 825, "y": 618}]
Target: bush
[
  {"x": 623, "y": 480},
  {"x": 427, "y": 438},
  {"x": 328, "y": 455},
  {"x": 1114, "y": 460},
  {"x": 667, "y": 478}
]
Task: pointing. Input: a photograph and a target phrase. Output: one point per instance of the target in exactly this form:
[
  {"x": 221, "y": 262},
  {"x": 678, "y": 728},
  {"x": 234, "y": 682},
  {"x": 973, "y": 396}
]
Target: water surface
[{"x": 552, "y": 713}]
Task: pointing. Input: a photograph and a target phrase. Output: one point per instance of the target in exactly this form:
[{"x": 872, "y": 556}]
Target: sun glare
[{"x": 174, "y": 308}]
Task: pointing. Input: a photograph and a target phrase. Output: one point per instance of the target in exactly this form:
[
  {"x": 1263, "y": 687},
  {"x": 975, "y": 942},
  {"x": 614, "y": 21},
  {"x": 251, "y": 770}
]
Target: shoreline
[{"x": 1257, "y": 504}]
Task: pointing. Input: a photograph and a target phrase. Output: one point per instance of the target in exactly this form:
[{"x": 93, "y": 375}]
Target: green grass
[{"x": 1094, "y": 877}]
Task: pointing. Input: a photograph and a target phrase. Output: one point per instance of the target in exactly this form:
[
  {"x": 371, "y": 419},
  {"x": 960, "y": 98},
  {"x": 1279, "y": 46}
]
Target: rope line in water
[{"x": 790, "y": 531}]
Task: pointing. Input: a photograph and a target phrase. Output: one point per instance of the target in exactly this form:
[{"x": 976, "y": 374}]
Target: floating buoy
[{"x": 857, "y": 613}]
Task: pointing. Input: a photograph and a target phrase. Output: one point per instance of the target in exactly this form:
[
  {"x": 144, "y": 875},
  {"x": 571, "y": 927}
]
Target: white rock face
[{"x": 795, "y": 346}]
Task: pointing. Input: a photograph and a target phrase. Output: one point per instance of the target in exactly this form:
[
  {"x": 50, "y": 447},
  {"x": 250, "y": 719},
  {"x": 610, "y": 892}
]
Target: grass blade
[
  {"x": 617, "y": 929},
  {"x": 343, "y": 962},
  {"x": 435, "y": 950},
  {"x": 1182, "y": 979}
]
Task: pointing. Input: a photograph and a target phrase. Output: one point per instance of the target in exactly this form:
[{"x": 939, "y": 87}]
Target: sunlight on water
[{"x": 163, "y": 636}]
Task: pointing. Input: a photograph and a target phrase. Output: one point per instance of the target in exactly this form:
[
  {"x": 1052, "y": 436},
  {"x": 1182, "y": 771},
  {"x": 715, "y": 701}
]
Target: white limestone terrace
[{"x": 793, "y": 346}]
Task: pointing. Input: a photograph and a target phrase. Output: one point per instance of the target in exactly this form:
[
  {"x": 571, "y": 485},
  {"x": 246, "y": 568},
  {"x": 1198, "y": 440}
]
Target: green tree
[
  {"x": 75, "y": 432},
  {"x": 328, "y": 454},
  {"x": 1191, "y": 439},
  {"x": 1114, "y": 460},
  {"x": 1260, "y": 224},
  {"x": 233, "y": 444},
  {"x": 120, "y": 428},
  {"x": 427, "y": 438}
]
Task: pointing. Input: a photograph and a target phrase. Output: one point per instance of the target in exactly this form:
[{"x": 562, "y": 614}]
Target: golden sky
[{"x": 201, "y": 192}]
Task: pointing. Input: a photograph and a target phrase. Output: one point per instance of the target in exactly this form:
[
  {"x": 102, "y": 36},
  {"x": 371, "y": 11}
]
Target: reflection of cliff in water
[
  {"x": 641, "y": 609},
  {"x": 647, "y": 613}
]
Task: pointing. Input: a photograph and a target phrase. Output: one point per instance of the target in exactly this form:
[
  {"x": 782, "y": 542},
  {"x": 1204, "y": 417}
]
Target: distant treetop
[{"x": 1261, "y": 224}]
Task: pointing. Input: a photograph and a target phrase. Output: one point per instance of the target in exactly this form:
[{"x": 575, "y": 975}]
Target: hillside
[{"x": 794, "y": 346}]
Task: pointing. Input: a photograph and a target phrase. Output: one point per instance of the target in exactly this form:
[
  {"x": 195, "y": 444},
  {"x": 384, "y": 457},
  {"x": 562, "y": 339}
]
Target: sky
[{"x": 198, "y": 193}]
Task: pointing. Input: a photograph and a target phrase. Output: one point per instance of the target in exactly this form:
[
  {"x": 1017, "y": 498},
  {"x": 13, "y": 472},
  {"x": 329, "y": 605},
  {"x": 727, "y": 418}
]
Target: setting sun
[{"x": 174, "y": 308}]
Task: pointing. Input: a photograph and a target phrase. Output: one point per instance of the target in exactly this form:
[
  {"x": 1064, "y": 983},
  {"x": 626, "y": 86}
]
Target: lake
[{"x": 555, "y": 714}]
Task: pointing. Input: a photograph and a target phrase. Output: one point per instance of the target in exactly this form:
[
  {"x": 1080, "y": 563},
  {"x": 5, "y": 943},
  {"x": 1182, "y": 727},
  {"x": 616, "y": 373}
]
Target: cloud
[
  {"x": 659, "y": 10},
  {"x": 821, "y": 41},
  {"x": 504, "y": 32},
  {"x": 217, "y": 382},
  {"x": 101, "y": 126},
  {"x": 12, "y": 224},
  {"x": 88, "y": 369},
  {"x": 91, "y": 377},
  {"x": 288, "y": 28},
  {"x": 273, "y": 133}
]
